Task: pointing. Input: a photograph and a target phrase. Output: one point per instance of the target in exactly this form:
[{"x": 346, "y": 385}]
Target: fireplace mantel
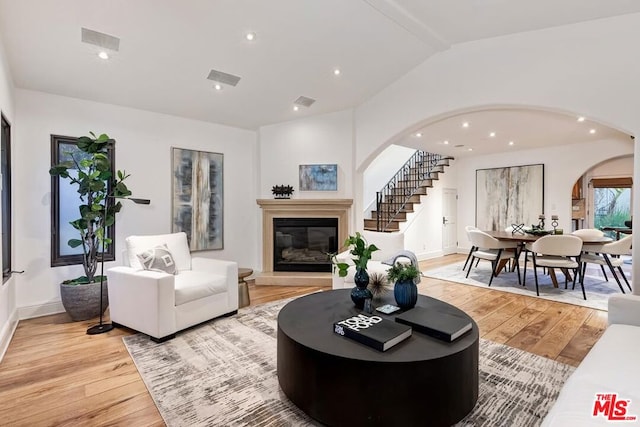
[{"x": 300, "y": 208}]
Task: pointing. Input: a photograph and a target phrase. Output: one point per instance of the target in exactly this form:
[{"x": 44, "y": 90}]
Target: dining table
[{"x": 589, "y": 244}]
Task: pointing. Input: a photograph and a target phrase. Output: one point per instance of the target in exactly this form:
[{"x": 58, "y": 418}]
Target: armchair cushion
[
  {"x": 157, "y": 259},
  {"x": 195, "y": 285}
]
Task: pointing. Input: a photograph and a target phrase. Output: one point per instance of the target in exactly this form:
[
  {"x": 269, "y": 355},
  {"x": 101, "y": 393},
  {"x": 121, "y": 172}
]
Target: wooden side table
[{"x": 243, "y": 288}]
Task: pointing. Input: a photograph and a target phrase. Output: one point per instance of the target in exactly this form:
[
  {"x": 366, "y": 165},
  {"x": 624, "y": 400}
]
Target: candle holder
[
  {"x": 554, "y": 222},
  {"x": 541, "y": 222}
]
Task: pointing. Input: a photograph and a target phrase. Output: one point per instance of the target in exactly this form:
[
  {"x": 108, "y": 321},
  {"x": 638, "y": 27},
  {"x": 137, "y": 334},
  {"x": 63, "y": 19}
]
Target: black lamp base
[{"x": 99, "y": 329}]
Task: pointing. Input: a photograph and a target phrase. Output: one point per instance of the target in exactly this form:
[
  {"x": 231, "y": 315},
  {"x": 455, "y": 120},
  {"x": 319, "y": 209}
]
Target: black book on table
[
  {"x": 438, "y": 324},
  {"x": 373, "y": 331}
]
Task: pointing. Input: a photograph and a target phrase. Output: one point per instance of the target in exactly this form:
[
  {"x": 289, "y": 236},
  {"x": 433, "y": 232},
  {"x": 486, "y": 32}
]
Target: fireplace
[
  {"x": 302, "y": 244},
  {"x": 335, "y": 209}
]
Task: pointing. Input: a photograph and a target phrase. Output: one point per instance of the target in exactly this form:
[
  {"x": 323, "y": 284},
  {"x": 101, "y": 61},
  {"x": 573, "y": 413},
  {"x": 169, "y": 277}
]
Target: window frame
[
  {"x": 58, "y": 260},
  {"x": 7, "y": 220}
]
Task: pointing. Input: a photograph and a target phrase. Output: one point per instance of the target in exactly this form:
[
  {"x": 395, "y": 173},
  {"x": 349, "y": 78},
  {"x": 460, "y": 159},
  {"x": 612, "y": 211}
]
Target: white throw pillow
[{"x": 157, "y": 259}]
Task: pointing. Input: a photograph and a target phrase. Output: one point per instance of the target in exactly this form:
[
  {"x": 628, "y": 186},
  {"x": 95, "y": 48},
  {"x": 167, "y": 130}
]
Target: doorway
[{"x": 449, "y": 221}]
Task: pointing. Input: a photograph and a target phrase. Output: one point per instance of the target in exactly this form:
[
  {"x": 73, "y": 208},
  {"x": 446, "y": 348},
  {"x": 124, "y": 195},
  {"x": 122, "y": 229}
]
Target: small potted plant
[
  {"x": 405, "y": 276},
  {"x": 361, "y": 252}
]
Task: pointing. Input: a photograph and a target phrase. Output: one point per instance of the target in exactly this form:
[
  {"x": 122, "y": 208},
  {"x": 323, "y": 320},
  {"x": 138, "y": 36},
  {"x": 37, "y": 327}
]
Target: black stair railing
[{"x": 393, "y": 197}]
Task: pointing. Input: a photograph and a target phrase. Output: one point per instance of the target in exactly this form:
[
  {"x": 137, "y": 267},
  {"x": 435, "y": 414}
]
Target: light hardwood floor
[{"x": 55, "y": 374}]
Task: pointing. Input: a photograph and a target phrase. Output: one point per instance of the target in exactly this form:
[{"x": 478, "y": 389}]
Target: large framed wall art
[
  {"x": 511, "y": 195},
  {"x": 197, "y": 202}
]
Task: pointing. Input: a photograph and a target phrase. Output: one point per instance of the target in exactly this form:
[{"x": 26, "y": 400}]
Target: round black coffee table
[{"x": 338, "y": 381}]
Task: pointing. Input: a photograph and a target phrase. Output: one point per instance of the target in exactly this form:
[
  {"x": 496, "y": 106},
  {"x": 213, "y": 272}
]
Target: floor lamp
[{"x": 101, "y": 327}]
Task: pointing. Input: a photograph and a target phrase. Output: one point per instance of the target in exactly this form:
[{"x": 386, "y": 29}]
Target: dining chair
[
  {"x": 609, "y": 255},
  {"x": 473, "y": 248},
  {"x": 556, "y": 251},
  {"x": 491, "y": 249},
  {"x": 588, "y": 232}
]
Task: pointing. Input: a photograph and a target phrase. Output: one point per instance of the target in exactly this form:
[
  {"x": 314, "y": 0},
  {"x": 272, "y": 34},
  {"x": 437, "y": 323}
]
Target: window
[
  {"x": 612, "y": 202},
  {"x": 64, "y": 206},
  {"x": 5, "y": 169}
]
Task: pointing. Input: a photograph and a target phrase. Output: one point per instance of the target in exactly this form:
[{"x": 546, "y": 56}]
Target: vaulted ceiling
[{"x": 168, "y": 47}]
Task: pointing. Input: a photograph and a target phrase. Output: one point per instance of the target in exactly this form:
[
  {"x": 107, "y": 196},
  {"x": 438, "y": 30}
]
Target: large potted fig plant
[{"x": 89, "y": 170}]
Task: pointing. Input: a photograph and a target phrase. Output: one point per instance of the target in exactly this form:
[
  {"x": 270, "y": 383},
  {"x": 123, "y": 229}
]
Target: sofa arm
[
  {"x": 142, "y": 300},
  {"x": 228, "y": 269},
  {"x": 624, "y": 309}
]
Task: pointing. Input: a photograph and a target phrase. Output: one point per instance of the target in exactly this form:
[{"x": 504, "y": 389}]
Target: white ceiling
[{"x": 168, "y": 47}]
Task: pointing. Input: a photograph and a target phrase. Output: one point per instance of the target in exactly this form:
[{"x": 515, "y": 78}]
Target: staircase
[{"x": 403, "y": 191}]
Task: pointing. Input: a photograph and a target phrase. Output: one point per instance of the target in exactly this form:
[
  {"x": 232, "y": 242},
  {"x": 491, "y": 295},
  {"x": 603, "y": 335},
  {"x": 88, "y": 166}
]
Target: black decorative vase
[
  {"x": 360, "y": 292},
  {"x": 406, "y": 294}
]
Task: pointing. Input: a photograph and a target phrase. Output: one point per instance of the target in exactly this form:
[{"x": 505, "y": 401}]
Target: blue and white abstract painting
[{"x": 318, "y": 177}]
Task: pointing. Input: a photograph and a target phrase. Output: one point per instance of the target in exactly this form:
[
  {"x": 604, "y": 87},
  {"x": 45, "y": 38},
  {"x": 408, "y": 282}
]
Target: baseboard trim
[
  {"x": 31, "y": 311},
  {"x": 422, "y": 256},
  {"x": 7, "y": 333}
]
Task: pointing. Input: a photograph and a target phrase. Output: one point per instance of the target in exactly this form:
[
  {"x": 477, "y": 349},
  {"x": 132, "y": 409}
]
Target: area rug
[
  {"x": 596, "y": 287},
  {"x": 223, "y": 373}
]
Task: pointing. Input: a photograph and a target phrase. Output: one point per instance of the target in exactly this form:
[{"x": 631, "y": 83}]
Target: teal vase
[
  {"x": 406, "y": 294},
  {"x": 360, "y": 292}
]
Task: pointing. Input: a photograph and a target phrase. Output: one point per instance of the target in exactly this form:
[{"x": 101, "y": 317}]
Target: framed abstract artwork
[
  {"x": 197, "y": 201},
  {"x": 511, "y": 195},
  {"x": 318, "y": 177}
]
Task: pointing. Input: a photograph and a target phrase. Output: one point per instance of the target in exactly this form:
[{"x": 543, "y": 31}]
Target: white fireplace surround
[{"x": 300, "y": 208}]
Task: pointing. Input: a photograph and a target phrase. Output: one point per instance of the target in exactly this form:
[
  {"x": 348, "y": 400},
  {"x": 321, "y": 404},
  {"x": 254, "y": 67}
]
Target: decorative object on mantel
[
  {"x": 554, "y": 223},
  {"x": 318, "y": 177},
  {"x": 406, "y": 276},
  {"x": 361, "y": 252},
  {"x": 517, "y": 228},
  {"x": 282, "y": 191}
]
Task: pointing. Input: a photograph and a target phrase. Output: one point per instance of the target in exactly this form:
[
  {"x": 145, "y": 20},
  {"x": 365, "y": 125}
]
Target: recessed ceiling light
[
  {"x": 492, "y": 134},
  {"x": 336, "y": 71},
  {"x": 581, "y": 119},
  {"x": 296, "y": 108},
  {"x": 510, "y": 142},
  {"x": 250, "y": 36},
  {"x": 592, "y": 131},
  {"x": 103, "y": 55},
  {"x": 418, "y": 135},
  {"x": 465, "y": 124},
  {"x": 445, "y": 142},
  {"x": 218, "y": 86},
  {"x": 469, "y": 149}
]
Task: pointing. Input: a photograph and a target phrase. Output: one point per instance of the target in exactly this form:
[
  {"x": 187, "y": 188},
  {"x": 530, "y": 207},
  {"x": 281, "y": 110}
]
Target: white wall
[
  {"x": 143, "y": 146},
  {"x": 8, "y": 314},
  {"x": 327, "y": 138}
]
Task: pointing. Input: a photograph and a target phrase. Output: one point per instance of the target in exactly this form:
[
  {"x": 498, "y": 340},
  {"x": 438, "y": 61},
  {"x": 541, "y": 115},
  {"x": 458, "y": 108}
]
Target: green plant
[
  {"x": 90, "y": 171},
  {"x": 401, "y": 272},
  {"x": 361, "y": 252}
]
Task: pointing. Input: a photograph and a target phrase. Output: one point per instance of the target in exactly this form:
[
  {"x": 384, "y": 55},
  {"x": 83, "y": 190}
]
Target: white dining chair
[
  {"x": 491, "y": 249},
  {"x": 557, "y": 251},
  {"x": 473, "y": 248},
  {"x": 609, "y": 255}
]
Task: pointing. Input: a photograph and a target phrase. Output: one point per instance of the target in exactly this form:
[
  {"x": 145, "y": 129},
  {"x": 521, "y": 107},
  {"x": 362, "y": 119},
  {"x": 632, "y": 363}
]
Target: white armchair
[
  {"x": 388, "y": 243},
  {"x": 160, "y": 304}
]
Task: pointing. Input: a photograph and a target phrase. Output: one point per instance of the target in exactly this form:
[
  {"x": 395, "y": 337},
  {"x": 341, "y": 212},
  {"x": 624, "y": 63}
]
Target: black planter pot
[
  {"x": 406, "y": 294},
  {"x": 82, "y": 302},
  {"x": 360, "y": 292}
]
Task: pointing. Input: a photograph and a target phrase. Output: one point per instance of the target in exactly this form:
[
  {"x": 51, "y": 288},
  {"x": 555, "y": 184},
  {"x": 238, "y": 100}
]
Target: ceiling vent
[
  {"x": 224, "y": 78},
  {"x": 304, "y": 101},
  {"x": 100, "y": 39}
]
